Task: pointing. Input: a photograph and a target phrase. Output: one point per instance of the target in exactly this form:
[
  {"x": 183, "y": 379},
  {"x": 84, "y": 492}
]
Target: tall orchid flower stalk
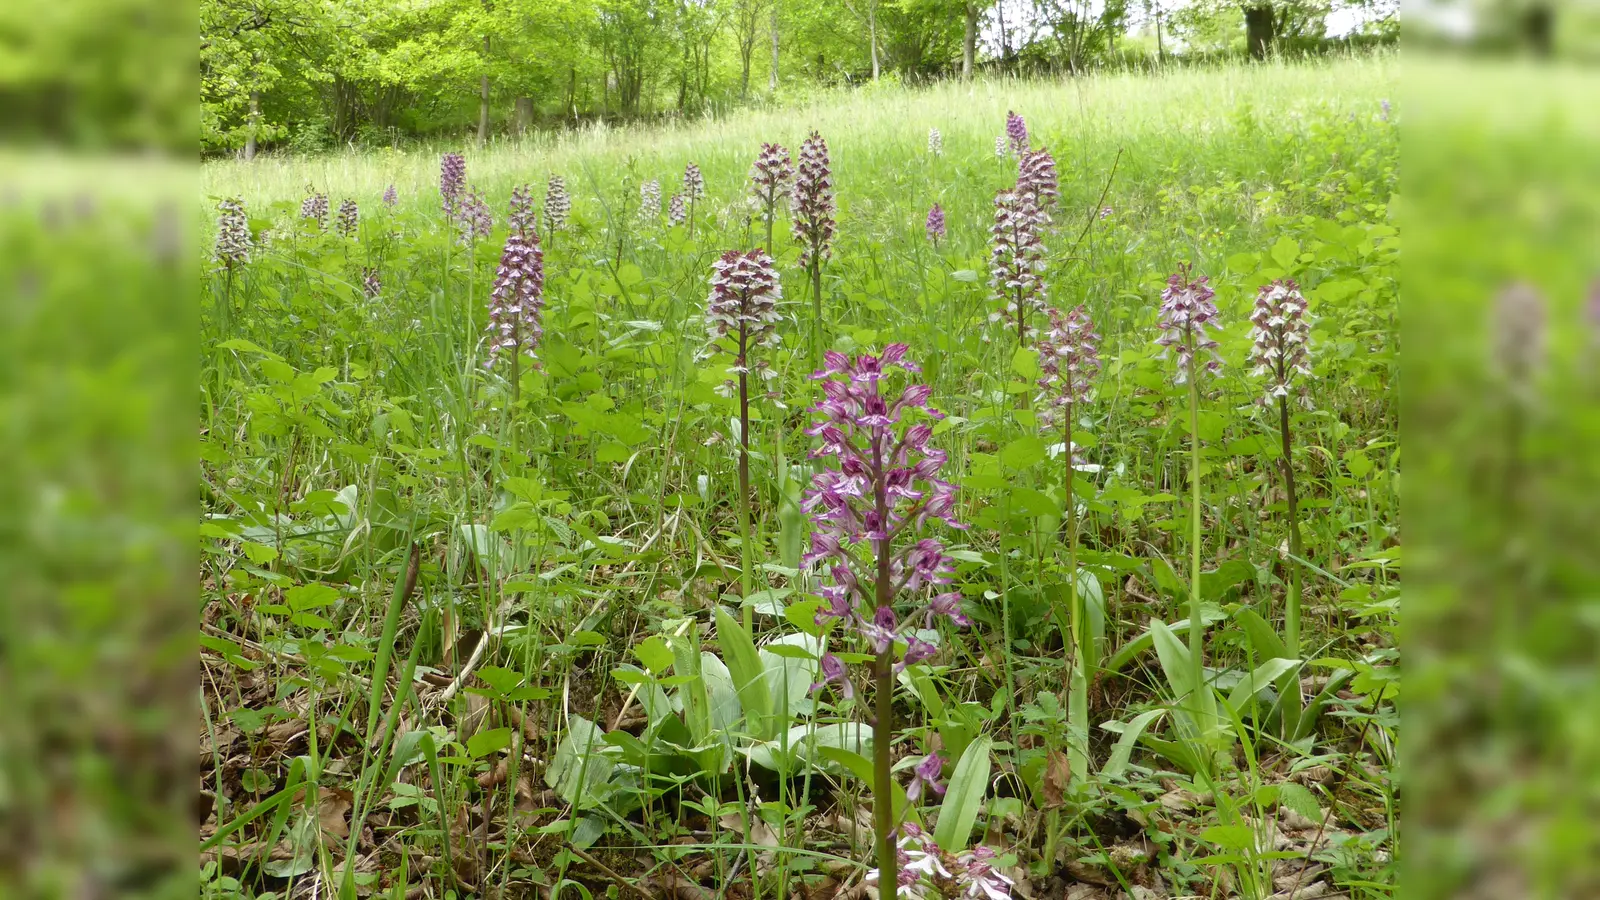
[
  {"x": 866, "y": 513},
  {"x": 349, "y": 220},
  {"x": 452, "y": 181},
  {"x": 650, "y": 200},
  {"x": 233, "y": 247},
  {"x": 741, "y": 316},
  {"x": 1188, "y": 311},
  {"x": 516, "y": 304},
  {"x": 1016, "y": 133},
  {"x": 1037, "y": 180},
  {"x": 1069, "y": 361},
  {"x": 1280, "y": 354},
  {"x": 694, "y": 187},
  {"x": 233, "y": 234},
  {"x": 770, "y": 177},
  {"x": 1016, "y": 261},
  {"x": 315, "y": 208},
  {"x": 557, "y": 206},
  {"x": 813, "y": 208}
]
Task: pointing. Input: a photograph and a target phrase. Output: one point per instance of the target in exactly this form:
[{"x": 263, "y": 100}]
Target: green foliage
[{"x": 576, "y": 648}]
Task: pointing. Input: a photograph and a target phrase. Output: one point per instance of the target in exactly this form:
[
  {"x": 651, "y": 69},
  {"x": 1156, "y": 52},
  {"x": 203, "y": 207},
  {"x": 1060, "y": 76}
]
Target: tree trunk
[
  {"x": 483, "y": 98},
  {"x": 969, "y": 41},
  {"x": 572, "y": 92},
  {"x": 1161, "y": 47},
  {"x": 1258, "y": 28},
  {"x": 746, "y": 50},
  {"x": 683, "y": 80},
  {"x": 872, "y": 34},
  {"x": 522, "y": 117},
  {"x": 254, "y": 126},
  {"x": 772, "y": 80},
  {"x": 1005, "y": 42}
]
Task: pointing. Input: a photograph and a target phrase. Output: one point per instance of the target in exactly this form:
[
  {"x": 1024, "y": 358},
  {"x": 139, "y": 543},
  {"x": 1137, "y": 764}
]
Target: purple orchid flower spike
[
  {"x": 452, "y": 181},
  {"x": 935, "y": 225},
  {"x": 867, "y": 512},
  {"x": 349, "y": 220},
  {"x": 1280, "y": 333},
  {"x": 1016, "y": 133},
  {"x": 1188, "y": 314}
]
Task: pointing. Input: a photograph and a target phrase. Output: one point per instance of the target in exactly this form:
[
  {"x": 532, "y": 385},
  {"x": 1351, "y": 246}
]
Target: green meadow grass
[{"x": 563, "y": 531}]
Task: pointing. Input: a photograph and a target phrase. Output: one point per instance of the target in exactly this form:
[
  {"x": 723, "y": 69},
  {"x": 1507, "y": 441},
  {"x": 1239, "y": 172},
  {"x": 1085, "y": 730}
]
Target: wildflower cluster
[
  {"x": 677, "y": 210},
  {"x": 935, "y": 225},
  {"x": 556, "y": 204},
  {"x": 1016, "y": 262},
  {"x": 516, "y": 304},
  {"x": 522, "y": 217},
  {"x": 650, "y": 200},
  {"x": 1281, "y": 332},
  {"x": 315, "y": 208},
  {"x": 771, "y": 175},
  {"x": 812, "y": 201},
  {"x": 1016, "y": 133},
  {"x": 349, "y": 220},
  {"x": 926, "y": 870},
  {"x": 1000, "y": 145},
  {"x": 1036, "y": 178},
  {"x": 866, "y": 512},
  {"x": 1069, "y": 360},
  {"x": 935, "y": 142},
  {"x": 233, "y": 233},
  {"x": 371, "y": 282},
  {"x": 390, "y": 197},
  {"x": 452, "y": 180},
  {"x": 694, "y": 184},
  {"x": 473, "y": 218},
  {"x": 742, "y": 309},
  {"x": 1187, "y": 310}
]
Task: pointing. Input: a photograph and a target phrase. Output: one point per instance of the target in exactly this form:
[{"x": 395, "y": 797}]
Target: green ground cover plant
[{"x": 530, "y": 565}]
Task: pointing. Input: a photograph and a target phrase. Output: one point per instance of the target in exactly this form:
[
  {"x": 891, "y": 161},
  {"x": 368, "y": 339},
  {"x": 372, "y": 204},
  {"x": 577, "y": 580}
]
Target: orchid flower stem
[
  {"x": 745, "y": 574},
  {"x": 883, "y": 792},
  {"x": 1078, "y": 690},
  {"x": 1196, "y": 628},
  {"x": 1291, "y": 611},
  {"x": 816, "y": 313}
]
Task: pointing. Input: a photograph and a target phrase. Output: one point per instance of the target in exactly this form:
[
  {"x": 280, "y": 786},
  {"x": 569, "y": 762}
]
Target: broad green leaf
[
  {"x": 1230, "y": 837},
  {"x": 655, "y": 654},
  {"x": 1299, "y": 799},
  {"x": 749, "y": 675},
  {"x": 1208, "y": 616},
  {"x": 579, "y": 766},
  {"x": 1174, "y": 658},
  {"x": 1122, "y": 753},
  {"x": 310, "y": 596},
  {"x": 1025, "y": 363},
  {"x": 486, "y": 742},
  {"x": 1023, "y": 452},
  {"x": 1263, "y": 639},
  {"x": 1262, "y": 678},
  {"x": 964, "y": 795}
]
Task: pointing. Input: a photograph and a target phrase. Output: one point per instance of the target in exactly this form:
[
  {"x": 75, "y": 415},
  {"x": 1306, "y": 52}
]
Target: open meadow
[{"x": 1026, "y": 498}]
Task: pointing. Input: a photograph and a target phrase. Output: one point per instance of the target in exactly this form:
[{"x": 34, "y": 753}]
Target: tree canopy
[{"x": 311, "y": 73}]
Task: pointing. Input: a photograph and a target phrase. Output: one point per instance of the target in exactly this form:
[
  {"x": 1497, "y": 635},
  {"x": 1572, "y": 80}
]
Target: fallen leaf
[
  {"x": 333, "y": 806},
  {"x": 1057, "y": 777},
  {"x": 672, "y": 886}
]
